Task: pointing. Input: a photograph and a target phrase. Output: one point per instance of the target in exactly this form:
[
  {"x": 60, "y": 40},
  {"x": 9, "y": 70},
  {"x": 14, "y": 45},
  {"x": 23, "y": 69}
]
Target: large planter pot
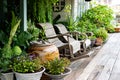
[
  {"x": 61, "y": 76},
  {"x": 29, "y": 76},
  {"x": 6, "y": 76},
  {"x": 45, "y": 52}
]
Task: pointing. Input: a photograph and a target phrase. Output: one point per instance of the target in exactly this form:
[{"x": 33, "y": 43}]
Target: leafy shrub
[
  {"x": 102, "y": 33},
  {"x": 100, "y": 15},
  {"x": 56, "y": 66},
  {"x": 24, "y": 64},
  {"x": 110, "y": 28}
]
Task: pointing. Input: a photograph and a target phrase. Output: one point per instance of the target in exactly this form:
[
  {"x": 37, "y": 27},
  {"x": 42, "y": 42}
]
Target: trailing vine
[{"x": 40, "y": 10}]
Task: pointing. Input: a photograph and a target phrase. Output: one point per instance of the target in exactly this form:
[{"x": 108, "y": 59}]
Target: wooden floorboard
[{"x": 105, "y": 65}]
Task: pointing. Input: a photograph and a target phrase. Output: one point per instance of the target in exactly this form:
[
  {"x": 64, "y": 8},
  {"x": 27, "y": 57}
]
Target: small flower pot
[
  {"x": 98, "y": 41},
  {"x": 117, "y": 29}
]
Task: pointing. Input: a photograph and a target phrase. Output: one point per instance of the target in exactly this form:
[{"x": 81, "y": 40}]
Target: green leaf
[{"x": 23, "y": 37}]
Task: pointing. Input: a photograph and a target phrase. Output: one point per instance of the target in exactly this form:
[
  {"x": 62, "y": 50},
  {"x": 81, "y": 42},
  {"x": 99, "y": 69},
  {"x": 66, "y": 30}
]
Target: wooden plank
[
  {"x": 105, "y": 74},
  {"x": 90, "y": 68},
  {"x": 108, "y": 51},
  {"x": 96, "y": 72},
  {"x": 115, "y": 75},
  {"x": 112, "y": 53}
]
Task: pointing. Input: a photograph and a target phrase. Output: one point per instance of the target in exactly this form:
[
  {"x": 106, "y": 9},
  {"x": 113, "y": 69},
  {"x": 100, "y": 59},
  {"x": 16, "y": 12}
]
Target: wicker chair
[
  {"x": 85, "y": 44},
  {"x": 52, "y": 37}
]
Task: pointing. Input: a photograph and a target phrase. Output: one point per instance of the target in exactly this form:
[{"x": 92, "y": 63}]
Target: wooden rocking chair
[
  {"x": 52, "y": 37},
  {"x": 61, "y": 29}
]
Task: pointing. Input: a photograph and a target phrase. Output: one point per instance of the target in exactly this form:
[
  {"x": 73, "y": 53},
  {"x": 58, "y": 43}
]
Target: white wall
[{"x": 77, "y": 8}]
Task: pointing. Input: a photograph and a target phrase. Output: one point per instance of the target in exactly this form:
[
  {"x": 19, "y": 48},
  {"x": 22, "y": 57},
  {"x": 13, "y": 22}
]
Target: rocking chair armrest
[
  {"x": 58, "y": 35},
  {"x": 77, "y": 34},
  {"x": 74, "y": 33}
]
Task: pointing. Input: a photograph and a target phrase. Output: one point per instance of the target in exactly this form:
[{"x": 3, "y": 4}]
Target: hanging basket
[{"x": 87, "y": 0}]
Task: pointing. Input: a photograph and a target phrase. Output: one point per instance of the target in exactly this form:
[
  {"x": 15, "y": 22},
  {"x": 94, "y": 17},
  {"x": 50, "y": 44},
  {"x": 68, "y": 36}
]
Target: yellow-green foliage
[
  {"x": 56, "y": 66},
  {"x": 102, "y": 33}
]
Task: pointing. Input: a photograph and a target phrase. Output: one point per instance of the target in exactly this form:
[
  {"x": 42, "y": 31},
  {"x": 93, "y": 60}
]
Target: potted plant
[
  {"x": 7, "y": 52},
  {"x": 117, "y": 28},
  {"x": 57, "y": 69},
  {"x": 27, "y": 68},
  {"x": 101, "y": 35}
]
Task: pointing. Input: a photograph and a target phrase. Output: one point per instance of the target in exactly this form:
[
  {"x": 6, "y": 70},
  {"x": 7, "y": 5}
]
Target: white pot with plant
[
  {"x": 57, "y": 69},
  {"x": 27, "y": 68}
]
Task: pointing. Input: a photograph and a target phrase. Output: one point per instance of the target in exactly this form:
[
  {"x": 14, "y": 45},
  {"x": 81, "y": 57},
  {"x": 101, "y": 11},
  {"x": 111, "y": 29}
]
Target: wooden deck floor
[{"x": 105, "y": 65}]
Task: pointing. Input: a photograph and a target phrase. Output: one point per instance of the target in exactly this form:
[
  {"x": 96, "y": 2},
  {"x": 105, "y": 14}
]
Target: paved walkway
[{"x": 105, "y": 65}]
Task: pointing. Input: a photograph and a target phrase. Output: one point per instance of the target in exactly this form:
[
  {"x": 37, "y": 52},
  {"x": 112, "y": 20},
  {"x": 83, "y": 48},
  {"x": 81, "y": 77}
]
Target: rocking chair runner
[
  {"x": 61, "y": 29},
  {"x": 52, "y": 37}
]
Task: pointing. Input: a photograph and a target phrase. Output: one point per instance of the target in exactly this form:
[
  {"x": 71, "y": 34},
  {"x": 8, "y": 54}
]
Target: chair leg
[
  {"x": 84, "y": 48},
  {"x": 71, "y": 54}
]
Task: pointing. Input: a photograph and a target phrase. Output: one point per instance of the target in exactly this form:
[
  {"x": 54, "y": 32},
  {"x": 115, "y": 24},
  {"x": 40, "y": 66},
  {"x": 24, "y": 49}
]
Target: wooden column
[{"x": 23, "y": 14}]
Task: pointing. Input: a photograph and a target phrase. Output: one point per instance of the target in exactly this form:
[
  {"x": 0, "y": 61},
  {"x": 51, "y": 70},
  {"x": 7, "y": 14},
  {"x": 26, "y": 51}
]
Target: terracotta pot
[
  {"x": 98, "y": 41},
  {"x": 117, "y": 29},
  {"x": 45, "y": 52}
]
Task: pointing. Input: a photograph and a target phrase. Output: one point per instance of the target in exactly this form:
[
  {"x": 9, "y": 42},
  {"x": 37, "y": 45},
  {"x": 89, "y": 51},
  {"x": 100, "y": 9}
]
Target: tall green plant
[
  {"x": 6, "y": 52},
  {"x": 72, "y": 24}
]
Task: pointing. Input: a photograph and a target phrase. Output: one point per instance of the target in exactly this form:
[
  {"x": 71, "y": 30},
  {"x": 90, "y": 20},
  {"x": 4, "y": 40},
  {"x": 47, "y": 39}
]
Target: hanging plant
[{"x": 40, "y": 10}]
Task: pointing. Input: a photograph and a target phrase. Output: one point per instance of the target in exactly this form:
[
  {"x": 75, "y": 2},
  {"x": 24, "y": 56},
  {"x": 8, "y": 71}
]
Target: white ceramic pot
[
  {"x": 6, "y": 76},
  {"x": 29, "y": 76}
]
